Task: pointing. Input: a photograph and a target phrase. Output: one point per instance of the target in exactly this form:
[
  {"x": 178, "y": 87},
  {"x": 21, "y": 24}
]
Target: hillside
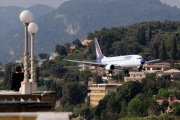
[
  {"x": 10, "y": 24},
  {"x": 9, "y": 16},
  {"x": 74, "y": 19}
]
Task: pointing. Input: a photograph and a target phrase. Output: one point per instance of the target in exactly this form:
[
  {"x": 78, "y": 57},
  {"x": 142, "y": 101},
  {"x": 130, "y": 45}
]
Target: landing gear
[
  {"x": 141, "y": 68},
  {"x": 110, "y": 72},
  {"x": 126, "y": 72}
]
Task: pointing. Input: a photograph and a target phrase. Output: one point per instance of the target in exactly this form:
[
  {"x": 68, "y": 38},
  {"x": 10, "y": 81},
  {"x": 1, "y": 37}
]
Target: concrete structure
[
  {"x": 72, "y": 48},
  {"x": 11, "y": 101},
  {"x": 157, "y": 67},
  {"x": 32, "y": 29},
  {"x": 86, "y": 42},
  {"x": 99, "y": 91},
  {"x": 37, "y": 116},
  {"x": 28, "y": 99},
  {"x": 134, "y": 76},
  {"x": 175, "y": 74},
  {"x": 40, "y": 62},
  {"x": 19, "y": 61},
  {"x": 53, "y": 56},
  {"x": 26, "y": 17}
]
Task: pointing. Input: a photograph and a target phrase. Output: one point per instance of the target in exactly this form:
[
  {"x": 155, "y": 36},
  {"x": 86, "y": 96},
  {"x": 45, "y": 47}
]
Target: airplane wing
[
  {"x": 151, "y": 61},
  {"x": 88, "y": 62}
]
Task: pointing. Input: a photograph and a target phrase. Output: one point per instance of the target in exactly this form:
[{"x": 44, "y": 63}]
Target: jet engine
[{"x": 109, "y": 67}]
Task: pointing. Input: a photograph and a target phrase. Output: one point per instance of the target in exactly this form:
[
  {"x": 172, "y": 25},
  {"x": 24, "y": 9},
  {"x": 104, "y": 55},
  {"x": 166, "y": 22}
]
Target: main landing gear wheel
[
  {"x": 110, "y": 72},
  {"x": 126, "y": 71}
]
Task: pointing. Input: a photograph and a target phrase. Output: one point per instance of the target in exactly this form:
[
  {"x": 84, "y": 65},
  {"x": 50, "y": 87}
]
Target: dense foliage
[
  {"x": 75, "y": 18},
  {"x": 133, "y": 99}
]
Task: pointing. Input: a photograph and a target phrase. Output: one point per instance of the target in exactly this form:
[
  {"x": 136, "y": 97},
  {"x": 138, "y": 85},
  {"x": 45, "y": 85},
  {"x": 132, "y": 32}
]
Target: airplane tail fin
[{"x": 99, "y": 55}]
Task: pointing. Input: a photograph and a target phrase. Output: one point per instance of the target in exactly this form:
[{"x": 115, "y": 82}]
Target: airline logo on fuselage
[{"x": 127, "y": 57}]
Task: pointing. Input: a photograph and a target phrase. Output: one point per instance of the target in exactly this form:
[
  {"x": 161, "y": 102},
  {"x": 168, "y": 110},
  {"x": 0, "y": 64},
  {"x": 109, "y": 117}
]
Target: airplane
[{"x": 124, "y": 62}]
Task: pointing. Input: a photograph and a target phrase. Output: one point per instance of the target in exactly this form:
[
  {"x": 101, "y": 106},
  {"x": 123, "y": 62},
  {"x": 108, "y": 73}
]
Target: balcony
[{"x": 11, "y": 101}]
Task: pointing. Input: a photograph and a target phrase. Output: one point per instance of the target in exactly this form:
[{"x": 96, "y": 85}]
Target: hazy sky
[
  {"x": 29, "y": 3},
  {"x": 56, "y": 3},
  {"x": 172, "y": 2}
]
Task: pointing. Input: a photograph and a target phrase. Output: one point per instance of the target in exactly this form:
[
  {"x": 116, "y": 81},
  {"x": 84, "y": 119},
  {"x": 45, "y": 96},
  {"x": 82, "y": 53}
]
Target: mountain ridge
[{"x": 75, "y": 19}]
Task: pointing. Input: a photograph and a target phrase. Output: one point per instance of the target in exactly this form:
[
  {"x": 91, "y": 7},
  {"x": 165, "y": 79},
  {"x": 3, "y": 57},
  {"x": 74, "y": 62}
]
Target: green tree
[
  {"x": 119, "y": 77},
  {"x": 164, "y": 105},
  {"x": 97, "y": 79},
  {"x": 175, "y": 104},
  {"x": 67, "y": 46},
  {"x": 149, "y": 85},
  {"x": 163, "y": 55},
  {"x": 176, "y": 111},
  {"x": 43, "y": 56},
  {"x": 163, "y": 93},
  {"x": 150, "y": 33},
  {"x": 37, "y": 75},
  {"x": 124, "y": 105},
  {"x": 90, "y": 36},
  {"x": 136, "y": 108},
  {"x": 174, "y": 49},
  {"x": 142, "y": 36},
  {"x": 77, "y": 43},
  {"x": 155, "y": 46},
  {"x": 7, "y": 76},
  {"x": 72, "y": 93},
  {"x": 177, "y": 94},
  {"x": 61, "y": 50}
]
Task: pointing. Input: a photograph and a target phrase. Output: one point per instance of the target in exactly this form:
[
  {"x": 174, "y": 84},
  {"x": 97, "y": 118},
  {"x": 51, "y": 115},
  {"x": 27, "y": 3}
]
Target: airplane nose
[{"x": 142, "y": 61}]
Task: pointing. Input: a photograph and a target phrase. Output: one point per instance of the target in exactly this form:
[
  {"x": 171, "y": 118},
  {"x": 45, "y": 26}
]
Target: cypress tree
[
  {"x": 163, "y": 51},
  {"x": 155, "y": 47},
  {"x": 174, "y": 49},
  {"x": 142, "y": 36},
  {"x": 7, "y": 76},
  {"x": 150, "y": 33}
]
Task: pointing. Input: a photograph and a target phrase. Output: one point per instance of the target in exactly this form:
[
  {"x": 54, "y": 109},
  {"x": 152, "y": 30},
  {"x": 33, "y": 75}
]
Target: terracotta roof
[
  {"x": 156, "y": 66},
  {"x": 162, "y": 63},
  {"x": 139, "y": 73},
  {"x": 171, "y": 71}
]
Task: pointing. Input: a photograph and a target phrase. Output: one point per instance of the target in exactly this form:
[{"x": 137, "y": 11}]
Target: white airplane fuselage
[{"x": 126, "y": 61}]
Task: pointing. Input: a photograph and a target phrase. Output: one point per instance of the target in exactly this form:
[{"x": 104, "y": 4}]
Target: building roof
[
  {"x": 162, "y": 63},
  {"x": 171, "y": 71},
  {"x": 156, "y": 66},
  {"x": 106, "y": 84},
  {"x": 86, "y": 42},
  {"x": 137, "y": 73}
]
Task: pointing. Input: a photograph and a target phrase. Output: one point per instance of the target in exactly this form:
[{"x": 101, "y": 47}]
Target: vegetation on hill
[
  {"x": 75, "y": 18},
  {"x": 133, "y": 99}
]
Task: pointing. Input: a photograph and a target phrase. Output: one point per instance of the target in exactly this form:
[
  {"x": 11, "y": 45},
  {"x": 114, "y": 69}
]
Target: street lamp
[
  {"x": 32, "y": 29},
  {"x": 26, "y": 17}
]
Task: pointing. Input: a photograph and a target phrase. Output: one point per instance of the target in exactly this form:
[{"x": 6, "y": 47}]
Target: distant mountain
[
  {"x": 10, "y": 23},
  {"x": 75, "y": 18},
  {"x": 9, "y": 16}
]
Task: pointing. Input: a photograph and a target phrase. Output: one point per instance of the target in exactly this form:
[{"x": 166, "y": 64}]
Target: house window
[{"x": 158, "y": 69}]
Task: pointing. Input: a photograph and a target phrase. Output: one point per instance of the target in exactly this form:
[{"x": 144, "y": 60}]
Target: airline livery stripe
[{"x": 97, "y": 51}]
